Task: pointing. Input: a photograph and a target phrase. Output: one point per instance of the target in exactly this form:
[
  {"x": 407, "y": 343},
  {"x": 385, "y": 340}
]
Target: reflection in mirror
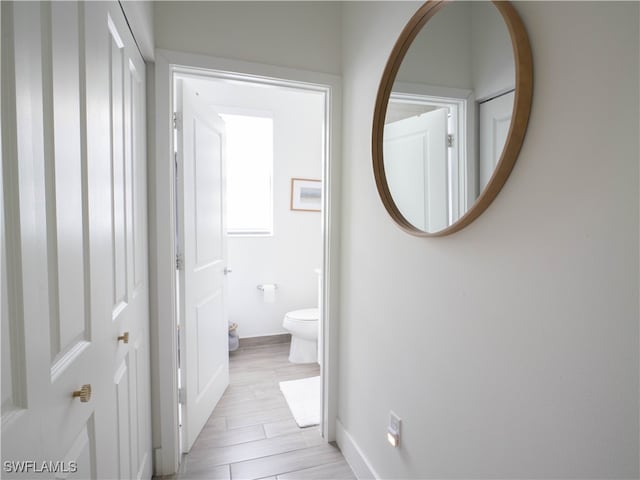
[{"x": 449, "y": 114}]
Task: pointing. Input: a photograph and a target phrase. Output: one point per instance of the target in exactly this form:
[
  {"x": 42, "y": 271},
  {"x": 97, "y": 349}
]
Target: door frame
[
  {"x": 162, "y": 233},
  {"x": 463, "y": 102}
]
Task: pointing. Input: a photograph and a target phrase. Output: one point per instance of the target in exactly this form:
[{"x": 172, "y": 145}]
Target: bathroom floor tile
[
  {"x": 283, "y": 427},
  {"x": 251, "y": 450},
  {"x": 258, "y": 418},
  {"x": 222, "y": 438},
  {"x": 249, "y": 405},
  {"x": 252, "y": 434},
  {"x": 335, "y": 471},
  {"x": 286, "y": 462}
]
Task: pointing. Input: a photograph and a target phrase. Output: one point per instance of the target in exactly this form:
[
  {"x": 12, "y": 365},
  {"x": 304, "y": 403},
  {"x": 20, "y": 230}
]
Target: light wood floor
[{"x": 252, "y": 434}]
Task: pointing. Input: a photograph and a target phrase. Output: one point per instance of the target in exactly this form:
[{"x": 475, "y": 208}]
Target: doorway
[
  {"x": 237, "y": 218},
  {"x": 169, "y": 68}
]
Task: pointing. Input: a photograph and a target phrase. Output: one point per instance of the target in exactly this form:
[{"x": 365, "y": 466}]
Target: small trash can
[{"x": 234, "y": 341}]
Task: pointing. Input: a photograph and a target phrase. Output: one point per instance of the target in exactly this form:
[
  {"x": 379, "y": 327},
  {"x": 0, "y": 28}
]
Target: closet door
[
  {"x": 128, "y": 304},
  {"x": 75, "y": 398}
]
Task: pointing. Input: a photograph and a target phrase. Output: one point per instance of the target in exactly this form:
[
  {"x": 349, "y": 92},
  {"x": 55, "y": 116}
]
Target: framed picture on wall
[{"x": 306, "y": 195}]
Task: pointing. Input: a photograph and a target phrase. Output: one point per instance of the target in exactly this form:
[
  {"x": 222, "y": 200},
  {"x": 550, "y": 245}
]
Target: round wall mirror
[{"x": 451, "y": 113}]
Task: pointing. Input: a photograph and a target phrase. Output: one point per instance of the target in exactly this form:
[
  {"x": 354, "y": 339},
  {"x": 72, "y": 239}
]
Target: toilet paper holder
[{"x": 261, "y": 286}]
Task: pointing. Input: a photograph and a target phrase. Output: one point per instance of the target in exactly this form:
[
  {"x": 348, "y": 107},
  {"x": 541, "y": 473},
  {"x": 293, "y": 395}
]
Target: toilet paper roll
[{"x": 269, "y": 293}]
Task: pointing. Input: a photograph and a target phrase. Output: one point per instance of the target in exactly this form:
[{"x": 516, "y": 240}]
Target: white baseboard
[{"x": 353, "y": 454}]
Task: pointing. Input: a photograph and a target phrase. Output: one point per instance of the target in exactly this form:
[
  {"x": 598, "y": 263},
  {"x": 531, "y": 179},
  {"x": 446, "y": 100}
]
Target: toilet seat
[
  {"x": 303, "y": 323},
  {"x": 304, "y": 315}
]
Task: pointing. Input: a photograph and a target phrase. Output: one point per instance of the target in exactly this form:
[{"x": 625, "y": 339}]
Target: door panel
[
  {"x": 74, "y": 349},
  {"x": 495, "y": 120},
  {"x": 415, "y": 153},
  {"x": 204, "y": 330},
  {"x": 82, "y": 453},
  {"x": 139, "y": 398},
  {"x": 25, "y": 231},
  {"x": 406, "y": 177},
  {"x": 64, "y": 164},
  {"x": 73, "y": 177},
  {"x": 121, "y": 381},
  {"x": 100, "y": 147},
  {"x": 129, "y": 243},
  {"x": 207, "y": 199},
  {"x": 139, "y": 177},
  {"x": 116, "y": 48},
  {"x": 208, "y": 358}
]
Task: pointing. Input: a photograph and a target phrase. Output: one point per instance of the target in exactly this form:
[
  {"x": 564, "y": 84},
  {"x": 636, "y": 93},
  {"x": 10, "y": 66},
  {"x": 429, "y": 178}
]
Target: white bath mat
[{"x": 303, "y": 398}]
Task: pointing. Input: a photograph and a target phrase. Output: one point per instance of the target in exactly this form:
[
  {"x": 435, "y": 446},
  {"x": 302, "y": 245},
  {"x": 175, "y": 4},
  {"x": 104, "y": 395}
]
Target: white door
[
  {"x": 495, "y": 119},
  {"x": 204, "y": 344},
  {"x": 415, "y": 164},
  {"x": 74, "y": 213},
  {"x": 129, "y": 299}
]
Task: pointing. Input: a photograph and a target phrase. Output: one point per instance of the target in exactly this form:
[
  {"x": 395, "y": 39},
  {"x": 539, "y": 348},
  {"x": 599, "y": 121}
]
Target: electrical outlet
[{"x": 393, "y": 430}]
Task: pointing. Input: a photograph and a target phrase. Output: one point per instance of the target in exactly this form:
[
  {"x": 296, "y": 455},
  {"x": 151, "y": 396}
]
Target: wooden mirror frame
[{"x": 517, "y": 129}]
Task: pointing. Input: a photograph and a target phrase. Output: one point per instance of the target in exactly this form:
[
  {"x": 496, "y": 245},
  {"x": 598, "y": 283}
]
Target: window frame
[{"x": 223, "y": 110}]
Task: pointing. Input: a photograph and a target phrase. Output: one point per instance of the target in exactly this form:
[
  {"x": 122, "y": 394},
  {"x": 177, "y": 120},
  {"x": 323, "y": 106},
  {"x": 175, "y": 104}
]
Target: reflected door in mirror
[{"x": 415, "y": 152}]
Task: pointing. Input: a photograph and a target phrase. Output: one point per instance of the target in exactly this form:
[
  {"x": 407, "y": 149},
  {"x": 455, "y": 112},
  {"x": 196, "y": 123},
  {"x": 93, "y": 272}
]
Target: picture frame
[{"x": 306, "y": 195}]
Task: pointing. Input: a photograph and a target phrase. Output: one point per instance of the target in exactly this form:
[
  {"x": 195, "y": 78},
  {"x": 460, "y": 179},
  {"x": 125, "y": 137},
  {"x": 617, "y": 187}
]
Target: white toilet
[{"x": 304, "y": 327}]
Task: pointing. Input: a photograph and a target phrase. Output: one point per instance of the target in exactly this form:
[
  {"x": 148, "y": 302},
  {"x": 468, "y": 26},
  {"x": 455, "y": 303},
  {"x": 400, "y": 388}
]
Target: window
[{"x": 249, "y": 174}]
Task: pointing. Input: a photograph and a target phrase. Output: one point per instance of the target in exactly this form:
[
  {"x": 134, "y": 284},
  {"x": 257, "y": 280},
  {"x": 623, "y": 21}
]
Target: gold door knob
[
  {"x": 124, "y": 337},
  {"x": 84, "y": 393}
]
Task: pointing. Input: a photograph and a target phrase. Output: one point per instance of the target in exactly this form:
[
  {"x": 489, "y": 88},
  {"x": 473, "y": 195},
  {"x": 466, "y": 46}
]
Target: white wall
[
  {"x": 451, "y": 27},
  {"x": 493, "y": 66},
  {"x": 289, "y": 257},
  {"x": 467, "y": 45},
  {"x": 509, "y": 349},
  {"x": 302, "y": 35}
]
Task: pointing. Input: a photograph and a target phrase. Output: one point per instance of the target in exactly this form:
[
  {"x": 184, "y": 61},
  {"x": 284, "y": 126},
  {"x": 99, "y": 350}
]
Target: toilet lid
[{"x": 305, "y": 314}]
